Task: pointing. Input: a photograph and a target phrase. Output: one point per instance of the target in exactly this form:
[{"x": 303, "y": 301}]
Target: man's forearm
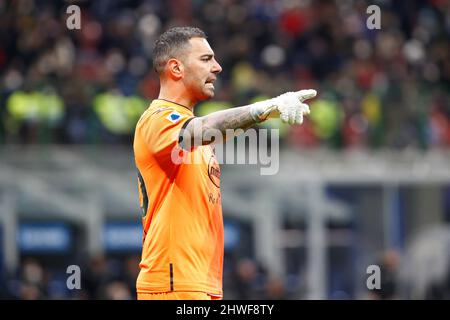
[
  {"x": 204, "y": 130},
  {"x": 217, "y": 126}
]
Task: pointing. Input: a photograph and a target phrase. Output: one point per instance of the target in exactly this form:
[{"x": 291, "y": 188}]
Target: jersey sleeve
[{"x": 161, "y": 134}]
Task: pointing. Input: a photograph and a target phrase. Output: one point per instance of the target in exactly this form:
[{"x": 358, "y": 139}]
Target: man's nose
[{"x": 216, "y": 67}]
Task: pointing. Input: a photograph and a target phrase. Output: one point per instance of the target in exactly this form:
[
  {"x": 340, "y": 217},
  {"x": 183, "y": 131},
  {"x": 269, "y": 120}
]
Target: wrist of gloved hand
[{"x": 263, "y": 110}]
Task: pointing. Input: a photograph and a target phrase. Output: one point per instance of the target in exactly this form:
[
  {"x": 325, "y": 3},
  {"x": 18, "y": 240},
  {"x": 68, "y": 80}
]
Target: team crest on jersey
[
  {"x": 174, "y": 117},
  {"x": 214, "y": 171}
]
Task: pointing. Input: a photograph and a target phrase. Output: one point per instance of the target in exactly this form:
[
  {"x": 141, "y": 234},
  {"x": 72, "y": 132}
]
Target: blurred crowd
[
  {"x": 114, "y": 278},
  {"x": 101, "y": 277},
  {"x": 104, "y": 277},
  {"x": 377, "y": 88}
]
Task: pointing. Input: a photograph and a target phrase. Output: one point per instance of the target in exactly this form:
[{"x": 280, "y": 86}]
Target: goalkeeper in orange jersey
[{"x": 183, "y": 235}]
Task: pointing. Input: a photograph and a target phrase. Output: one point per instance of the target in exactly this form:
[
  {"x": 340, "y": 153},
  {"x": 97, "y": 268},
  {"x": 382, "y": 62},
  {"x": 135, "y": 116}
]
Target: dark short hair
[{"x": 170, "y": 42}]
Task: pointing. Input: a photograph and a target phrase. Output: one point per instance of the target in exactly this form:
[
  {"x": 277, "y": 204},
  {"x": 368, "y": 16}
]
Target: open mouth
[{"x": 210, "y": 83}]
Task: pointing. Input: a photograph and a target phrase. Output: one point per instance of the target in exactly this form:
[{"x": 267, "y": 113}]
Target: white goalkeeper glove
[{"x": 289, "y": 107}]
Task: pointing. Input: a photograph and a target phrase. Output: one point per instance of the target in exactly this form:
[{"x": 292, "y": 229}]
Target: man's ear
[{"x": 175, "y": 69}]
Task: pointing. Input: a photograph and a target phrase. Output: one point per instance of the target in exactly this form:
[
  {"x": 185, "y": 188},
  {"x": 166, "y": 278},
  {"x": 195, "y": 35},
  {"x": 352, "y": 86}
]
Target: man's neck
[{"x": 176, "y": 96}]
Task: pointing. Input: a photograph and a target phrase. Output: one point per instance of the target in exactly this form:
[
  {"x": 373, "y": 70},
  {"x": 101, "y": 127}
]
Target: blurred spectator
[
  {"x": 247, "y": 280},
  {"x": 388, "y": 262},
  {"x": 439, "y": 289},
  {"x": 425, "y": 269},
  {"x": 95, "y": 277},
  {"x": 131, "y": 272},
  {"x": 274, "y": 289},
  {"x": 31, "y": 282},
  {"x": 116, "y": 290}
]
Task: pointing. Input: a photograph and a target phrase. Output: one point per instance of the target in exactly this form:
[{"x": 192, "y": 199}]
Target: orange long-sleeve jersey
[{"x": 181, "y": 206}]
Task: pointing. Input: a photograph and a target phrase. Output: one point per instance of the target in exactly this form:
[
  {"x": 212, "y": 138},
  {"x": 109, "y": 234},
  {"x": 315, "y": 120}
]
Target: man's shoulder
[
  {"x": 155, "y": 108},
  {"x": 160, "y": 109},
  {"x": 153, "y": 111},
  {"x": 164, "y": 116}
]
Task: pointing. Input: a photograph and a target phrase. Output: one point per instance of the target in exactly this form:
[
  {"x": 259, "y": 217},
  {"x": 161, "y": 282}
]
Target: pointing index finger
[{"x": 306, "y": 94}]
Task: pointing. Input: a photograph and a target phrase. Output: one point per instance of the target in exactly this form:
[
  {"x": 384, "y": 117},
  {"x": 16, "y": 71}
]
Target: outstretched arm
[{"x": 220, "y": 125}]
